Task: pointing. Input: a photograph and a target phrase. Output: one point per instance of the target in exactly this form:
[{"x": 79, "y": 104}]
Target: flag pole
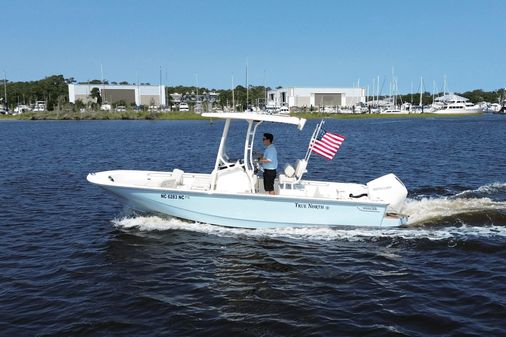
[{"x": 311, "y": 141}]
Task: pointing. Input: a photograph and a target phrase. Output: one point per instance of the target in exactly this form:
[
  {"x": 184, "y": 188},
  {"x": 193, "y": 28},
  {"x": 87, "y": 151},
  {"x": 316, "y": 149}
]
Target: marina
[{"x": 285, "y": 168}]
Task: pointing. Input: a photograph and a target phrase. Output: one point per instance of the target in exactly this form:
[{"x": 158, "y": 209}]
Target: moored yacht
[
  {"x": 184, "y": 107},
  {"x": 454, "y": 104},
  {"x": 39, "y": 106},
  {"x": 284, "y": 110}
]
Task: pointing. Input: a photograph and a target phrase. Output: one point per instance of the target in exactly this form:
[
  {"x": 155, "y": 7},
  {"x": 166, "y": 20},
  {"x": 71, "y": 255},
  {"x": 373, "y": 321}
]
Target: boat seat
[
  {"x": 289, "y": 171},
  {"x": 175, "y": 180},
  {"x": 177, "y": 174},
  {"x": 292, "y": 176}
]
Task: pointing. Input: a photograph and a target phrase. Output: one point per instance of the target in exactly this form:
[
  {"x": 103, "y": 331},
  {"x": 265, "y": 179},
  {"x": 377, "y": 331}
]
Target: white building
[
  {"x": 316, "y": 97},
  {"x": 148, "y": 95}
]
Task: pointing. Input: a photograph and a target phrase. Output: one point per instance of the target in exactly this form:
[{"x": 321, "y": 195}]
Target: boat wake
[
  {"x": 455, "y": 211},
  {"x": 485, "y": 205},
  {"x": 462, "y": 216}
]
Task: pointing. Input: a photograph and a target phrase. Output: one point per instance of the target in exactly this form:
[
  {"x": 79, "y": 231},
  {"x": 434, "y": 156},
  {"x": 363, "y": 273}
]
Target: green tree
[
  {"x": 79, "y": 105},
  {"x": 95, "y": 94}
]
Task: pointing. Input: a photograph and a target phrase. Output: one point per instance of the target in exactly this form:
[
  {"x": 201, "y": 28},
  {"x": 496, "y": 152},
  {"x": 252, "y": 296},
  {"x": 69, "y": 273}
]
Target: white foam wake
[
  {"x": 420, "y": 211},
  {"x": 488, "y": 189},
  {"x": 154, "y": 223}
]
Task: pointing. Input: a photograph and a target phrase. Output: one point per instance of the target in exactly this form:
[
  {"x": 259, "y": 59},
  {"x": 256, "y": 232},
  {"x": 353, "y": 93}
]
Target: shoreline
[{"x": 133, "y": 115}]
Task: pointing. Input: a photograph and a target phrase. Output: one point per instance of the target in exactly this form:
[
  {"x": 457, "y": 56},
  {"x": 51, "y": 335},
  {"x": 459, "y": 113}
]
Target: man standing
[{"x": 269, "y": 163}]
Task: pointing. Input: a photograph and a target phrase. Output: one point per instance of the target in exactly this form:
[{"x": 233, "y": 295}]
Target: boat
[
  {"x": 492, "y": 107},
  {"x": 454, "y": 104},
  {"x": 184, "y": 107},
  {"x": 284, "y": 110},
  {"x": 502, "y": 108},
  {"x": 39, "y": 106},
  {"x": 3, "y": 107},
  {"x": 21, "y": 108},
  {"x": 106, "y": 107},
  {"x": 392, "y": 110},
  {"x": 271, "y": 108},
  {"x": 232, "y": 195}
]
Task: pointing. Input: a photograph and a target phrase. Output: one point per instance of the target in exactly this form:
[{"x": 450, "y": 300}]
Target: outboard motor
[{"x": 388, "y": 189}]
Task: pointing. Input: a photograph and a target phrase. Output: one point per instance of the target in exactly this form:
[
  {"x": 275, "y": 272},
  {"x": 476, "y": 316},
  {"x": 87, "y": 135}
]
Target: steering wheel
[{"x": 256, "y": 165}]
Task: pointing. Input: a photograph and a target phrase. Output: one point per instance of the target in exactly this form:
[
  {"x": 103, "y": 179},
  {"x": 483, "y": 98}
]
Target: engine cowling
[{"x": 388, "y": 189}]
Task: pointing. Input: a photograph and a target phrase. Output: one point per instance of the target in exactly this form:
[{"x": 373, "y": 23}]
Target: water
[{"x": 74, "y": 261}]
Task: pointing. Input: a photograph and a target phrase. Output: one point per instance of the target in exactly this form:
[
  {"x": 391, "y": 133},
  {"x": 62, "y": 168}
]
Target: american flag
[{"x": 326, "y": 144}]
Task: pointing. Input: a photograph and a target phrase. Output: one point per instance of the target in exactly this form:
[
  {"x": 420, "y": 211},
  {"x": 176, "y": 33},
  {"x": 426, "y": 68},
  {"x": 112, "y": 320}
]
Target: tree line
[{"x": 54, "y": 91}]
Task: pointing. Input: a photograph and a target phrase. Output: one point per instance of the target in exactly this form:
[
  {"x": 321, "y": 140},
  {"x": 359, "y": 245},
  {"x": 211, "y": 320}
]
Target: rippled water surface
[{"x": 74, "y": 261}]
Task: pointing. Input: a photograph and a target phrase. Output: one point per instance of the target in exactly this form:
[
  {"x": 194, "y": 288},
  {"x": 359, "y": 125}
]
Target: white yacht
[
  {"x": 21, "y": 109},
  {"x": 184, "y": 107},
  {"x": 106, "y": 107},
  {"x": 233, "y": 195},
  {"x": 454, "y": 104},
  {"x": 271, "y": 108},
  {"x": 284, "y": 110},
  {"x": 502, "y": 109},
  {"x": 39, "y": 106},
  {"x": 3, "y": 107},
  {"x": 392, "y": 110}
]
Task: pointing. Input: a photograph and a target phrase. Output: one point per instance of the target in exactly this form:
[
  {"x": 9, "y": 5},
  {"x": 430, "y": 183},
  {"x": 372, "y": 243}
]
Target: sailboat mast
[
  {"x": 444, "y": 86},
  {"x": 265, "y": 89},
  {"x": 411, "y": 92},
  {"x": 197, "y": 85},
  {"x": 233, "y": 94},
  {"x": 373, "y": 89},
  {"x": 247, "y": 86},
  {"x": 5, "y": 92},
  {"x": 434, "y": 88},
  {"x": 103, "y": 85},
  {"x": 377, "y": 91}
]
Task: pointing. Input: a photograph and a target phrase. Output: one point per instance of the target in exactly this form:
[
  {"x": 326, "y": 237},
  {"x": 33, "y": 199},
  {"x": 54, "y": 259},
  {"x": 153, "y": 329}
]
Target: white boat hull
[
  {"x": 249, "y": 210},
  {"x": 458, "y": 111}
]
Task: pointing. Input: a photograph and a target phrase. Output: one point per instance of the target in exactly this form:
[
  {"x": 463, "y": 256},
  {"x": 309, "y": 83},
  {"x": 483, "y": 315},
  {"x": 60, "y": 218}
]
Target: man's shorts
[{"x": 269, "y": 176}]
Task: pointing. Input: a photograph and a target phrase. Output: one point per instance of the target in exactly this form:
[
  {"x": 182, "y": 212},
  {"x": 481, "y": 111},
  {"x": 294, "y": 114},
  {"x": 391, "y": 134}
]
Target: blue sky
[{"x": 285, "y": 43}]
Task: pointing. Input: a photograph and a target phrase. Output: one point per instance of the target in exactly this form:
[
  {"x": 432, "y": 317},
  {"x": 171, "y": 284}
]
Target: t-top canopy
[{"x": 257, "y": 117}]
